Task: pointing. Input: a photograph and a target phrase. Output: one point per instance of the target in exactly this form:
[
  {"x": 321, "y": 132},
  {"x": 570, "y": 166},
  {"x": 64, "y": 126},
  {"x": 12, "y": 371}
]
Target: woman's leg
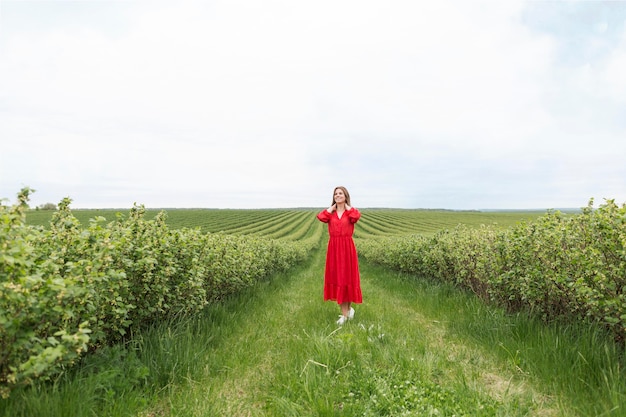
[{"x": 345, "y": 309}]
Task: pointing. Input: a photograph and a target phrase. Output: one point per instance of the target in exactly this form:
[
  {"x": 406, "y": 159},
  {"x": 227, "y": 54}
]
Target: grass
[{"x": 414, "y": 348}]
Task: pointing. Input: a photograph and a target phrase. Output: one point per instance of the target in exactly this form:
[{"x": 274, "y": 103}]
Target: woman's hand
[
  {"x": 348, "y": 207},
  {"x": 332, "y": 208}
]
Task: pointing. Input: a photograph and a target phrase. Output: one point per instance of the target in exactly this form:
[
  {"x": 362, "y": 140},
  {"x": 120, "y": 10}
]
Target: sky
[{"x": 271, "y": 104}]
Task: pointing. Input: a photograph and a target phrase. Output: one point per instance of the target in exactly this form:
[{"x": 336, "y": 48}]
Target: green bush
[
  {"x": 570, "y": 267},
  {"x": 68, "y": 289},
  {"x": 40, "y": 331}
]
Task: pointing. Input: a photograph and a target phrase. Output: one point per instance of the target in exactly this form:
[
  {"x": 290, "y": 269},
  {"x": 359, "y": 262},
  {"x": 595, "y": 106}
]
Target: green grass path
[
  {"x": 278, "y": 352},
  {"x": 414, "y": 348}
]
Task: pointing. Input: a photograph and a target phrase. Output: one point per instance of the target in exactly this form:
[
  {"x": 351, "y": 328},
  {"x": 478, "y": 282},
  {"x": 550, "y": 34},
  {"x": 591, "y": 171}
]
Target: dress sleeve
[
  {"x": 354, "y": 215},
  {"x": 324, "y": 216}
]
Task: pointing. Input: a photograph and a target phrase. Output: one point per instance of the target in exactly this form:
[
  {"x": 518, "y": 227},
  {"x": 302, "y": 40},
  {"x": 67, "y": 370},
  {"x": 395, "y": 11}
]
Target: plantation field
[
  {"x": 294, "y": 224},
  {"x": 194, "y": 312}
]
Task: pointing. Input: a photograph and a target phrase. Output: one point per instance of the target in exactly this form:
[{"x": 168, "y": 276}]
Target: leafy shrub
[
  {"x": 568, "y": 267},
  {"x": 39, "y": 329},
  {"x": 68, "y": 289}
]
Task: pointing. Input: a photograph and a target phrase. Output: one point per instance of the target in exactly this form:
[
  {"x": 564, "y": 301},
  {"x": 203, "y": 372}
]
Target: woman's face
[{"x": 340, "y": 197}]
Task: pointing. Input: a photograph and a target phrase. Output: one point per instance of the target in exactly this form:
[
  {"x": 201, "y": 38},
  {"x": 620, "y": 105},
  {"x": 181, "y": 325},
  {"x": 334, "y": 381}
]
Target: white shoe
[
  {"x": 342, "y": 319},
  {"x": 351, "y": 314}
]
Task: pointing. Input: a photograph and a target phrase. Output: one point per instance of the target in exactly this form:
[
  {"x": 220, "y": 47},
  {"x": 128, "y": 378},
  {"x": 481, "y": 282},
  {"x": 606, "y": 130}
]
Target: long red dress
[{"x": 342, "y": 281}]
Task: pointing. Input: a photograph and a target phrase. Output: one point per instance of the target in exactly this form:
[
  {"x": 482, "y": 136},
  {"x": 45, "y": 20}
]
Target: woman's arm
[
  {"x": 353, "y": 214},
  {"x": 324, "y": 216}
]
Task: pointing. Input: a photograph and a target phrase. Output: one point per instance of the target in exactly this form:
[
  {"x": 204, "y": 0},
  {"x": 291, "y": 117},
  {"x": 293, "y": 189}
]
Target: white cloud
[
  {"x": 274, "y": 103},
  {"x": 615, "y": 70}
]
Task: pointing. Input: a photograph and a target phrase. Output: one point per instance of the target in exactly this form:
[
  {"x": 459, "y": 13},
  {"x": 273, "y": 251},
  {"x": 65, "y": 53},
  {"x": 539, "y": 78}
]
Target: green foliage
[
  {"x": 570, "y": 267},
  {"x": 36, "y": 334},
  {"x": 69, "y": 288},
  {"x": 416, "y": 347}
]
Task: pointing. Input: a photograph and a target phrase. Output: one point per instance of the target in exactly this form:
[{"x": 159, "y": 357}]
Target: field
[
  {"x": 418, "y": 346},
  {"x": 272, "y": 222}
]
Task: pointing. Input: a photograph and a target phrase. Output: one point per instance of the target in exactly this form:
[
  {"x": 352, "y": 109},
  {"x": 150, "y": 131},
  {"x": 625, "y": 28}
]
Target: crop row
[
  {"x": 208, "y": 220},
  {"x": 282, "y": 223},
  {"x": 565, "y": 267},
  {"x": 395, "y": 222},
  {"x": 70, "y": 287}
]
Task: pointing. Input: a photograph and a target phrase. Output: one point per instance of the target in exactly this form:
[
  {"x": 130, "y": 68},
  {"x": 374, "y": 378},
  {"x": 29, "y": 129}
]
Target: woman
[{"x": 342, "y": 281}]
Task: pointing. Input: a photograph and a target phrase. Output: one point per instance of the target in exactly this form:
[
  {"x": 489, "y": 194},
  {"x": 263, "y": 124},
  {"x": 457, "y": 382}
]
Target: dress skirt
[{"x": 341, "y": 276}]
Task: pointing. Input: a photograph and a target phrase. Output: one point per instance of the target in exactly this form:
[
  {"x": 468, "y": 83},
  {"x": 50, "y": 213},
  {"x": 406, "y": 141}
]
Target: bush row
[
  {"x": 570, "y": 267},
  {"x": 71, "y": 288}
]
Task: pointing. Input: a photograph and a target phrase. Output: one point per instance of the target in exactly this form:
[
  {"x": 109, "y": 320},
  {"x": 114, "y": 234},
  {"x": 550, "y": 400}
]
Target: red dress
[{"x": 342, "y": 281}]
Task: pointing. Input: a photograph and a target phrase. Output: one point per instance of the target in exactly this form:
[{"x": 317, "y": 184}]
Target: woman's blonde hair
[{"x": 345, "y": 192}]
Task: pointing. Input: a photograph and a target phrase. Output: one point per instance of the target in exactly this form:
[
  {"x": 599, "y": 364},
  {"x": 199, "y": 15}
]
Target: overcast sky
[{"x": 254, "y": 104}]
